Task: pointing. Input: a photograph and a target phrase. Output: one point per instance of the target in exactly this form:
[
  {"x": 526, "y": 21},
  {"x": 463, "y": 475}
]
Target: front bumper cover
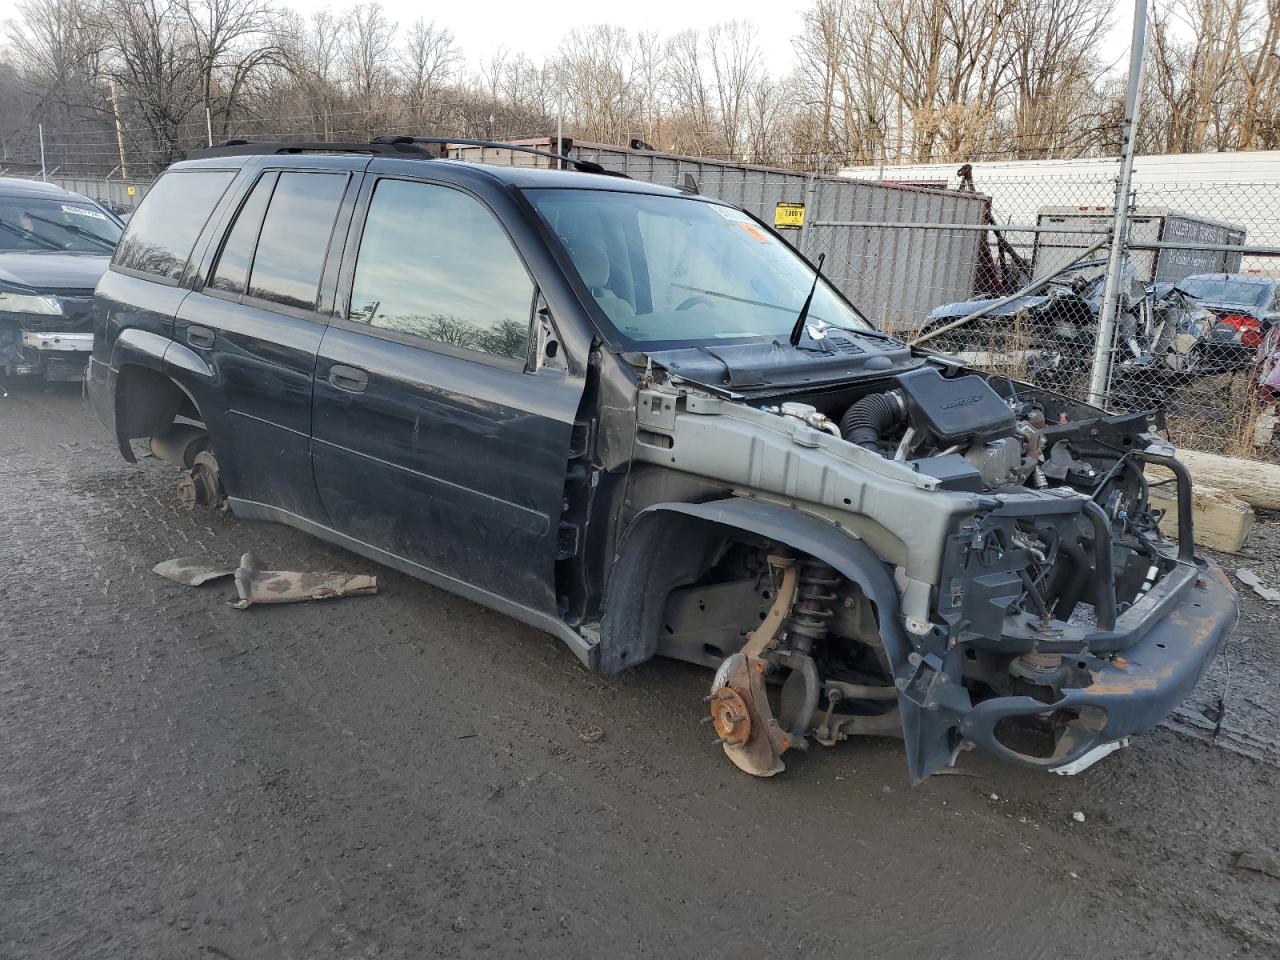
[{"x": 1130, "y": 693}]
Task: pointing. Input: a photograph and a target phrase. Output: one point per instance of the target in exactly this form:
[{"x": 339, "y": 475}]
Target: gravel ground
[{"x": 405, "y": 775}]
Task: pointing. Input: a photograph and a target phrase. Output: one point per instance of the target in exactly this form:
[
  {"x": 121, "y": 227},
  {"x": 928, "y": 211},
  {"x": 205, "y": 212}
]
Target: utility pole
[
  {"x": 115, "y": 110},
  {"x": 43, "y": 176},
  {"x": 1100, "y": 376},
  {"x": 560, "y": 130}
]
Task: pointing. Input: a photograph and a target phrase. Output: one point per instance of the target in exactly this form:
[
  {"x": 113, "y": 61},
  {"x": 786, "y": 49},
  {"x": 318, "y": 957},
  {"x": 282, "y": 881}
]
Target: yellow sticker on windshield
[{"x": 755, "y": 231}]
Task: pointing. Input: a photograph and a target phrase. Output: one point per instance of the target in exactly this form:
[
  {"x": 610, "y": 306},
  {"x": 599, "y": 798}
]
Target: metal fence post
[
  {"x": 806, "y": 225},
  {"x": 1100, "y": 375}
]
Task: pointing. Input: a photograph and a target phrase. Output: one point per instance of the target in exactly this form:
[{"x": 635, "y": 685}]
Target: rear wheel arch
[{"x": 147, "y": 402}]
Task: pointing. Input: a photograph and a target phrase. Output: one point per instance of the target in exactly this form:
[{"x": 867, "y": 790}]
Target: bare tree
[
  {"x": 428, "y": 61},
  {"x": 735, "y": 70},
  {"x": 149, "y": 51},
  {"x": 232, "y": 40},
  {"x": 366, "y": 56},
  {"x": 691, "y": 124}
]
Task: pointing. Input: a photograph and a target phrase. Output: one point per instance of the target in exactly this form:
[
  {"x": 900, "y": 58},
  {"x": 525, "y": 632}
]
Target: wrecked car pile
[
  {"x": 1166, "y": 335},
  {"x": 649, "y": 427}
]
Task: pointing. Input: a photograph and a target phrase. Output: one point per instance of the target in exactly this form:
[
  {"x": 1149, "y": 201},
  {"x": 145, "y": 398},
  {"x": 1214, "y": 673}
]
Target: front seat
[{"x": 593, "y": 267}]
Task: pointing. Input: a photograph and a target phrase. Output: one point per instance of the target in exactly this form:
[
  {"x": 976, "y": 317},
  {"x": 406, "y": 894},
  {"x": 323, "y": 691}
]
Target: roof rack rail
[
  {"x": 585, "y": 166},
  {"x": 402, "y": 146},
  {"x": 238, "y": 148}
]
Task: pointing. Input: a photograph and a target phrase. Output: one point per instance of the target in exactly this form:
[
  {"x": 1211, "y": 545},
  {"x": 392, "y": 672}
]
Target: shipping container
[{"x": 1053, "y": 251}]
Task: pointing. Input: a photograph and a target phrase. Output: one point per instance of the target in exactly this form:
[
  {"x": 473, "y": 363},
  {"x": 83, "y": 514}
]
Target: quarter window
[
  {"x": 295, "y": 238},
  {"x": 161, "y": 234},
  {"x": 232, "y": 273},
  {"x": 435, "y": 263}
]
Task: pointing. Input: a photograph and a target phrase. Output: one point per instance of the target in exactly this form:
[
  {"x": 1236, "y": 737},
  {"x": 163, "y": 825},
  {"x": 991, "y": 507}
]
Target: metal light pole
[
  {"x": 115, "y": 112},
  {"x": 1100, "y": 376},
  {"x": 43, "y": 176},
  {"x": 560, "y": 130}
]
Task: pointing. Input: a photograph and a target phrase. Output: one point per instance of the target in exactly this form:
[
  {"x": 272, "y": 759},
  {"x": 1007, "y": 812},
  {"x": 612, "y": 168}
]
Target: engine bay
[{"x": 998, "y": 438}]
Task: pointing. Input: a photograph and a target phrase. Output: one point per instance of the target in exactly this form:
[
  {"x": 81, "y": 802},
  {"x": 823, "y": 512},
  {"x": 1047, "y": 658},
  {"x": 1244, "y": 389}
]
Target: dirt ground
[{"x": 405, "y": 775}]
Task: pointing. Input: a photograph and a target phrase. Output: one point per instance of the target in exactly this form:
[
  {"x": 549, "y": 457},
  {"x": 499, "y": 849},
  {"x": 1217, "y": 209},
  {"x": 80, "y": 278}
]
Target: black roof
[
  {"x": 404, "y": 148},
  {"x": 18, "y": 187}
]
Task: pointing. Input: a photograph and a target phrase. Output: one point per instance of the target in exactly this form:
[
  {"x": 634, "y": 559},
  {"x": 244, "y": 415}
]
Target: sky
[{"x": 534, "y": 29}]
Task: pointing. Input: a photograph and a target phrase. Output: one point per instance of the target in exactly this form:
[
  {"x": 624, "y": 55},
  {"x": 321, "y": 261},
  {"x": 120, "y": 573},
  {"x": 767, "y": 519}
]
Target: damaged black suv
[{"x": 637, "y": 419}]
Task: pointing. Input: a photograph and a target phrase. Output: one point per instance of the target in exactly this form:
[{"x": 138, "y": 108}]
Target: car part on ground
[
  {"x": 1250, "y": 580},
  {"x": 255, "y": 584},
  {"x": 192, "y": 571}
]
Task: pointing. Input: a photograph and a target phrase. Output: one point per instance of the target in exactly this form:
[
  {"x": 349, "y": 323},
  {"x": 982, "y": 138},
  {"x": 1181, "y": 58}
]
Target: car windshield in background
[
  {"x": 674, "y": 269},
  {"x": 1220, "y": 290},
  {"x": 29, "y": 223}
]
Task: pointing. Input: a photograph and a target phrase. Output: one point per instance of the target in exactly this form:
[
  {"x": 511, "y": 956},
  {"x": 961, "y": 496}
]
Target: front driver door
[{"x": 434, "y": 438}]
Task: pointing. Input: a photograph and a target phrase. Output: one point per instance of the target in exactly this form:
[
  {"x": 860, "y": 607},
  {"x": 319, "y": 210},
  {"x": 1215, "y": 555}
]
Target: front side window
[
  {"x": 162, "y": 232},
  {"x": 295, "y": 238},
  {"x": 28, "y": 223},
  {"x": 666, "y": 268},
  {"x": 434, "y": 263},
  {"x": 232, "y": 273}
]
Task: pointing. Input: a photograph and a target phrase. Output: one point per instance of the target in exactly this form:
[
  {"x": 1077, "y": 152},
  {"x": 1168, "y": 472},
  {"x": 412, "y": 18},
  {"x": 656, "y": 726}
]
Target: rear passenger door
[
  {"x": 257, "y": 320},
  {"x": 435, "y": 439}
]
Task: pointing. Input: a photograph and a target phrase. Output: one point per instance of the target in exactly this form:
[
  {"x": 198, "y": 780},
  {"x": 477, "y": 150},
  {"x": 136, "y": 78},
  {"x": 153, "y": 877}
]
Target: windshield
[
  {"x": 1222, "y": 290},
  {"x": 30, "y": 223},
  {"x": 669, "y": 269}
]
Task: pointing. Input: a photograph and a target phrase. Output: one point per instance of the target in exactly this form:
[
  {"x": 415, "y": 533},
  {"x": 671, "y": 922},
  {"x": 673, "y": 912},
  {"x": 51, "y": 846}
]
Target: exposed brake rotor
[
  {"x": 740, "y": 710},
  {"x": 200, "y": 486}
]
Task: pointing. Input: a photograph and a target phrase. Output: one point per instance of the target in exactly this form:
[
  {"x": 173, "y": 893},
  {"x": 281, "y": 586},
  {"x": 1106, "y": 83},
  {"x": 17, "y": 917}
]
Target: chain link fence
[{"x": 1198, "y": 302}]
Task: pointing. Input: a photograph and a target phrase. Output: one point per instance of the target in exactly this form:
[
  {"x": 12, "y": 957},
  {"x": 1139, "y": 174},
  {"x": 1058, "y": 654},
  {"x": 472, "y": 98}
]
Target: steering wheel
[{"x": 694, "y": 301}]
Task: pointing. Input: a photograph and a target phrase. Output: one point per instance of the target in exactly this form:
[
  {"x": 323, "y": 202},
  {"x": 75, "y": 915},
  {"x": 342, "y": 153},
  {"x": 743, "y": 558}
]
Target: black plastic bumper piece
[{"x": 1130, "y": 693}]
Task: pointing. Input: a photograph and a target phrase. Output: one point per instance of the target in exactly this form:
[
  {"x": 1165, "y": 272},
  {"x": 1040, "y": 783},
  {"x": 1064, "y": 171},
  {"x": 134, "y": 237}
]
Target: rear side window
[
  {"x": 232, "y": 274},
  {"x": 295, "y": 237},
  {"x": 435, "y": 263},
  {"x": 161, "y": 234}
]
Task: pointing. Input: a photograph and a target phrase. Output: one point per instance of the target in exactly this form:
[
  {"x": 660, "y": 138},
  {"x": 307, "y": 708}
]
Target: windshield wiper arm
[
  {"x": 804, "y": 311},
  {"x": 28, "y": 235},
  {"x": 78, "y": 231}
]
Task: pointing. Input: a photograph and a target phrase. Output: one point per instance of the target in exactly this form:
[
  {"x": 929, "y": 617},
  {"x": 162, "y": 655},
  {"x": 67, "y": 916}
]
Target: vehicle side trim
[
  {"x": 584, "y": 649},
  {"x": 521, "y": 517}
]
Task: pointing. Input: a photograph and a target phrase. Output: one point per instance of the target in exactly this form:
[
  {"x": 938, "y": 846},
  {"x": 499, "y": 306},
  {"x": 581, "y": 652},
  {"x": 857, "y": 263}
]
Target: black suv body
[{"x": 633, "y": 417}]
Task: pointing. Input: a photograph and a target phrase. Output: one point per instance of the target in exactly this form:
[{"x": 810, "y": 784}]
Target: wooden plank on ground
[
  {"x": 1222, "y": 521},
  {"x": 1253, "y": 481}
]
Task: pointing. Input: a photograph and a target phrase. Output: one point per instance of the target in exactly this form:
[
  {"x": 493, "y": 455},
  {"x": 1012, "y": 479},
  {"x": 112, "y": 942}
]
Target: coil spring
[{"x": 815, "y": 596}]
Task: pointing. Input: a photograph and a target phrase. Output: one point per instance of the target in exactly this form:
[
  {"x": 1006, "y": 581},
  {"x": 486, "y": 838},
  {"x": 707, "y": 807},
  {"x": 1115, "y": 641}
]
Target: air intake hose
[{"x": 869, "y": 419}]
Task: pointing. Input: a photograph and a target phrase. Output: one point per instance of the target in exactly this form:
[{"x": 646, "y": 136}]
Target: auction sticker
[{"x": 788, "y": 216}]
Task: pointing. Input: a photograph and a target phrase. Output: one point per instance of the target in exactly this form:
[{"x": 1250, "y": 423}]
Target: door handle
[
  {"x": 200, "y": 337},
  {"x": 350, "y": 379}
]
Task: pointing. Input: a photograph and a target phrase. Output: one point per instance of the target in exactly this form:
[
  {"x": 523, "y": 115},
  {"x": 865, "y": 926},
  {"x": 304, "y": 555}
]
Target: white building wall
[{"x": 1241, "y": 187}]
